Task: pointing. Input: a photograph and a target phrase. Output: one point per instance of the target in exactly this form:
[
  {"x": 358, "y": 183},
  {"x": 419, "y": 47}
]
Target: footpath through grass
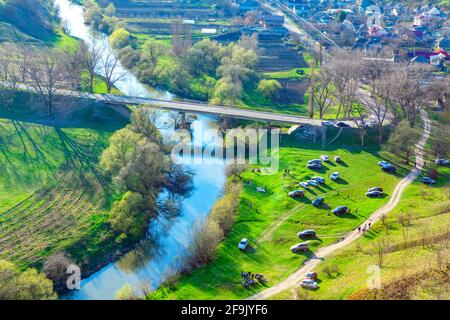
[{"x": 271, "y": 221}]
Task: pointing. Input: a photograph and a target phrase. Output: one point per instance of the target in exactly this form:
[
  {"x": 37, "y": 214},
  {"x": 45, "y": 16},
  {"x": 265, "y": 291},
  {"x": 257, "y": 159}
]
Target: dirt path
[{"x": 322, "y": 253}]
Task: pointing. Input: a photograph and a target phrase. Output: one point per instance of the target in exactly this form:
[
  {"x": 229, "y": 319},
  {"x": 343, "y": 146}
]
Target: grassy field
[
  {"x": 51, "y": 194},
  {"x": 271, "y": 220},
  {"x": 430, "y": 209}
]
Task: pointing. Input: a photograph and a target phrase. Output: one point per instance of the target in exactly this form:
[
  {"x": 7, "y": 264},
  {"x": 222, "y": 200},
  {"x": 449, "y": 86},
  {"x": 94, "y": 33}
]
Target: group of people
[
  {"x": 250, "y": 278},
  {"x": 364, "y": 228}
]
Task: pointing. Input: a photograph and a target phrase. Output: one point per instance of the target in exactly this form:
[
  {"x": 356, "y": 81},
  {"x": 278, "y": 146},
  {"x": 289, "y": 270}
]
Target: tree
[
  {"x": 204, "y": 57},
  {"x": 130, "y": 216},
  {"x": 205, "y": 238},
  {"x": 9, "y": 74},
  {"x": 181, "y": 38},
  {"x": 441, "y": 141},
  {"x": 46, "y": 74},
  {"x": 111, "y": 72},
  {"x": 143, "y": 122},
  {"x": 110, "y": 10},
  {"x": 153, "y": 50},
  {"x": 227, "y": 91},
  {"x": 380, "y": 247},
  {"x": 402, "y": 140},
  {"x": 91, "y": 58},
  {"x": 120, "y": 38},
  {"x": 269, "y": 88},
  {"x": 26, "y": 285},
  {"x": 55, "y": 268},
  {"x": 323, "y": 95},
  {"x": 126, "y": 293}
]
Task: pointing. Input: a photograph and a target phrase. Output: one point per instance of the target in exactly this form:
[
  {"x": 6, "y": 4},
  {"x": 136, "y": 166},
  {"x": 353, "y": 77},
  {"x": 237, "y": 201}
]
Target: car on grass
[
  {"x": 315, "y": 161},
  {"x": 307, "y": 234},
  {"x": 383, "y": 163},
  {"x": 304, "y": 184},
  {"x": 300, "y": 247},
  {"x": 314, "y": 166},
  {"x": 243, "y": 244},
  {"x": 313, "y": 183},
  {"x": 341, "y": 210},
  {"x": 319, "y": 179},
  {"x": 374, "y": 194},
  {"x": 342, "y": 125},
  {"x": 318, "y": 202},
  {"x": 325, "y": 158},
  {"x": 328, "y": 123},
  {"x": 337, "y": 159},
  {"x": 335, "y": 175},
  {"x": 296, "y": 194},
  {"x": 311, "y": 275},
  {"x": 309, "y": 284},
  {"x": 389, "y": 169},
  {"x": 375, "y": 189},
  {"x": 428, "y": 180},
  {"x": 442, "y": 162}
]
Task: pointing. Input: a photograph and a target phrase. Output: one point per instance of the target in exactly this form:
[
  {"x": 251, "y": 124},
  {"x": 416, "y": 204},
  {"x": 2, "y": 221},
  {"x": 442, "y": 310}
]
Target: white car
[
  {"x": 243, "y": 244},
  {"x": 304, "y": 184},
  {"x": 328, "y": 123},
  {"x": 309, "y": 284},
  {"x": 334, "y": 176},
  {"x": 325, "y": 158},
  {"x": 313, "y": 183},
  {"x": 319, "y": 180}
]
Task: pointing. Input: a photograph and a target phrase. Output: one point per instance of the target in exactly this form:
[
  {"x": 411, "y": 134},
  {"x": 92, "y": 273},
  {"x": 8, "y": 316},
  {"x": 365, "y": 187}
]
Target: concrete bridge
[{"x": 197, "y": 107}]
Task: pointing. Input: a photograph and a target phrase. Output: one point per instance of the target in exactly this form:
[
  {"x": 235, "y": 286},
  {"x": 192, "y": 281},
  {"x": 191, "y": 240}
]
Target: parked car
[
  {"x": 309, "y": 284},
  {"x": 318, "y": 202},
  {"x": 442, "y": 162},
  {"x": 243, "y": 244},
  {"x": 319, "y": 180},
  {"x": 313, "y": 183},
  {"x": 383, "y": 163},
  {"x": 389, "y": 168},
  {"x": 318, "y": 161},
  {"x": 375, "y": 189},
  {"x": 314, "y": 166},
  {"x": 297, "y": 194},
  {"x": 342, "y": 124},
  {"x": 335, "y": 175},
  {"x": 328, "y": 123},
  {"x": 372, "y": 123},
  {"x": 374, "y": 194},
  {"x": 428, "y": 180},
  {"x": 337, "y": 159},
  {"x": 341, "y": 210},
  {"x": 325, "y": 158},
  {"x": 306, "y": 234},
  {"x": 300, "y": 247},
  {"x": 311, "y": 275},
  {"x": 304, "y": 184}
]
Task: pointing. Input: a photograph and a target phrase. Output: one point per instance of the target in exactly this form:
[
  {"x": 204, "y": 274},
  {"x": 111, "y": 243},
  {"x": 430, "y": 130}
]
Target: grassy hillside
[
  {"x": 51, "y": 195},
  {"x": 271, "y": 221},
  {"x": 26, "y": 20}
]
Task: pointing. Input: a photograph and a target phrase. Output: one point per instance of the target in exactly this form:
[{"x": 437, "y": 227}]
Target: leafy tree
[
  {"x": 227, "y": 91},
  {"x": 120, "y": 38},
  {"x": 26, "y": 285},
  {"x": 269, "y": 88},
  {"x": 153, "y": 50},
  {"x": 110, "y": 10},
  {"x": 130, "y": 215},
  {"x": 402, "y": 140}
]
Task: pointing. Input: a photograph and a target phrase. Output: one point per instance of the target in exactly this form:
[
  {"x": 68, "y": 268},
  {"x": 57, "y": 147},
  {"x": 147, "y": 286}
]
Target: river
[{"x": 148, "y": 264}]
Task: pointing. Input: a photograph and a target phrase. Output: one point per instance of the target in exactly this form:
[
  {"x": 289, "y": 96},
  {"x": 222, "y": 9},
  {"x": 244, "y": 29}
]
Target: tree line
[{"x": 45, "y": 71}]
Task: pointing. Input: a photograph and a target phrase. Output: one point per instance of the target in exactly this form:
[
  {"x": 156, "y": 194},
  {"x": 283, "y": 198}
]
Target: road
[{"x": 312, "y": 262}]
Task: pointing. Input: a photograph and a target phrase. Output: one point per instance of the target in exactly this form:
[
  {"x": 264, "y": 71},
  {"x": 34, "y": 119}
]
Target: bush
[
  {"x": 55, "y": 269},
  {"x": 205, "y": 238},
  {"x": 120, "y": 38},
  {"x": 224, "y": 211}
]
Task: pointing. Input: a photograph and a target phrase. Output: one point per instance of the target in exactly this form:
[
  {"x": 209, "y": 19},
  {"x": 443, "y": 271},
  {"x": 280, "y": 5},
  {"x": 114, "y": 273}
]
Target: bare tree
[
  {"x": 9, "y": 74},
  {"x": 181, "y": 38},
  {"x": 91, "y": 60},
  {"x": 46, "y": 75},
  {"x": 380, "y": 247},
  {"x": 111, "y": 72},
  {"x": 323, "y": 96}
]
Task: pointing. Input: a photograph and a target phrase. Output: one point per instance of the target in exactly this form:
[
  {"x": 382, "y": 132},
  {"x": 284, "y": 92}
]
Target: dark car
[
  {"x": 342, "y": 124},
  {"x": 341, "y": 210},
  {"x": 374, "y": 194},
  {"x": 375, "y": 189},
  {"x": 318, "y": 202},
  {"x": 314, "y": 166},
  {"x": 428, "y": 180},
  {"x": 389, "y": 169},
  {"x": 442, "y": 162},
  {"x": 307, "y": 234}
]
